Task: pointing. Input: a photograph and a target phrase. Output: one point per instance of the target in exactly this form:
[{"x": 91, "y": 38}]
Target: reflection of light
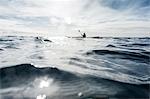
[
  {"x": 41, "y": 97},
  {"x": 80, "y": 94},
  {"x": 43, "y": 84}
]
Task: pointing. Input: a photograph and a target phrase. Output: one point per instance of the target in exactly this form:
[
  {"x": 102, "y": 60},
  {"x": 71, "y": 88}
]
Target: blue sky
[{"x": 65, "y": 17}]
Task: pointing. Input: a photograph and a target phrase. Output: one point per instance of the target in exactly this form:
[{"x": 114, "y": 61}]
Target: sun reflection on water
[
  {"x": 41, "y": 96},
  {"x": 44, "y": 84},
  {"x": 42, "y": 88}
]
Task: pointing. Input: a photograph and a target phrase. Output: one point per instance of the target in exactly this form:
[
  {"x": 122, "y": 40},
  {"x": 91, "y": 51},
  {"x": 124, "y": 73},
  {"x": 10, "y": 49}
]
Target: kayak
[
  {"x": 75, "y": 37},
  {"x": 95, "y": 37}
]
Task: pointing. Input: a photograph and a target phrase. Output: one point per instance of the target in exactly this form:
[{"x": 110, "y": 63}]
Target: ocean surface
[{"x": 74, "y": 68}]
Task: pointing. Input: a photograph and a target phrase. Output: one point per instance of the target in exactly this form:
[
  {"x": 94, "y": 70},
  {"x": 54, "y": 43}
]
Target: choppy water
[{"x": 74, "y": 68}]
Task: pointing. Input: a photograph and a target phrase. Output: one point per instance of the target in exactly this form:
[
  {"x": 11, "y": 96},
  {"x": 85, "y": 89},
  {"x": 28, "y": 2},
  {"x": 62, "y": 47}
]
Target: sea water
[{"x": 74, "y": 68}]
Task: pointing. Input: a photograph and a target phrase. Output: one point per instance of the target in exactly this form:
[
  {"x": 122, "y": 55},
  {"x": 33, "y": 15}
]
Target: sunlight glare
[
  {"x": 41, "y": 97},
  {"x": 44, "y": 84}
]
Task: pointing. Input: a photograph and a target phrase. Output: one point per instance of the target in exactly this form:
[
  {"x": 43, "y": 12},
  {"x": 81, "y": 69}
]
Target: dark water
[{"x": 74, "y": 68}]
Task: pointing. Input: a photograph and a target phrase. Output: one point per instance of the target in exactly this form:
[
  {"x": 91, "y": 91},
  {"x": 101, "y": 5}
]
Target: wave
[
  {"x": 124, "y": 54},
  {"x": 1, "y": 49},
  {"x": 145, "y": 38},
  {"x": 27, "y": 71},
  {"x": 136, "y": 45},
  {"x": 5, "y": 40},
  {"x": 70, "y": 84},
  {"x": 110, "y": 45},
  {"x": 10, "y": 47},
  {"x": 146, "y": 52}
]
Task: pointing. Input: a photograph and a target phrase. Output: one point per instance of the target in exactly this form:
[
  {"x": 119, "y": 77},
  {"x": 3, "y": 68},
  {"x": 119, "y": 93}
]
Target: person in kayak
[{"x": 83, "y": 35}]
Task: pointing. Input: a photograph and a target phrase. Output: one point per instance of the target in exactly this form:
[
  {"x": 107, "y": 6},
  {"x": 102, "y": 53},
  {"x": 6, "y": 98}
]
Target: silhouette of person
[{"x": 84, "y": 35}]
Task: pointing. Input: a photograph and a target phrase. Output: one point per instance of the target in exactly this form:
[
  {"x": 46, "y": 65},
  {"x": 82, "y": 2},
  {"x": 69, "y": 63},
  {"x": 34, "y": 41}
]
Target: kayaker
[{"x": 83, "y": 35}]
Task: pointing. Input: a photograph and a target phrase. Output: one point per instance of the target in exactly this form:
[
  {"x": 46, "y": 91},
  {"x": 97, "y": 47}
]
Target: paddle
[{"x": 80, "y": 32}]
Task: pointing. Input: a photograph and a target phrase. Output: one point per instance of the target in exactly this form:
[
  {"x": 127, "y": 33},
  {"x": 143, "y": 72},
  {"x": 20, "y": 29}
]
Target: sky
[{"x": 66, "y": 17}]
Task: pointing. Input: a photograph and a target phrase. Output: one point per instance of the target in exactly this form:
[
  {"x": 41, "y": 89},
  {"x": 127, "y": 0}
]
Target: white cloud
[{"x": 64, "y": 17}]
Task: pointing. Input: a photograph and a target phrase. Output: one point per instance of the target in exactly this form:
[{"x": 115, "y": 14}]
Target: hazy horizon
[{"x": 65, "y": 17}]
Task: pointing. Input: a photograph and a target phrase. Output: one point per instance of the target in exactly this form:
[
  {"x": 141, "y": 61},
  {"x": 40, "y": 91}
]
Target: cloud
[
  {"x": 64, "y": 17},
  {"x": 124, "y": 4}
]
